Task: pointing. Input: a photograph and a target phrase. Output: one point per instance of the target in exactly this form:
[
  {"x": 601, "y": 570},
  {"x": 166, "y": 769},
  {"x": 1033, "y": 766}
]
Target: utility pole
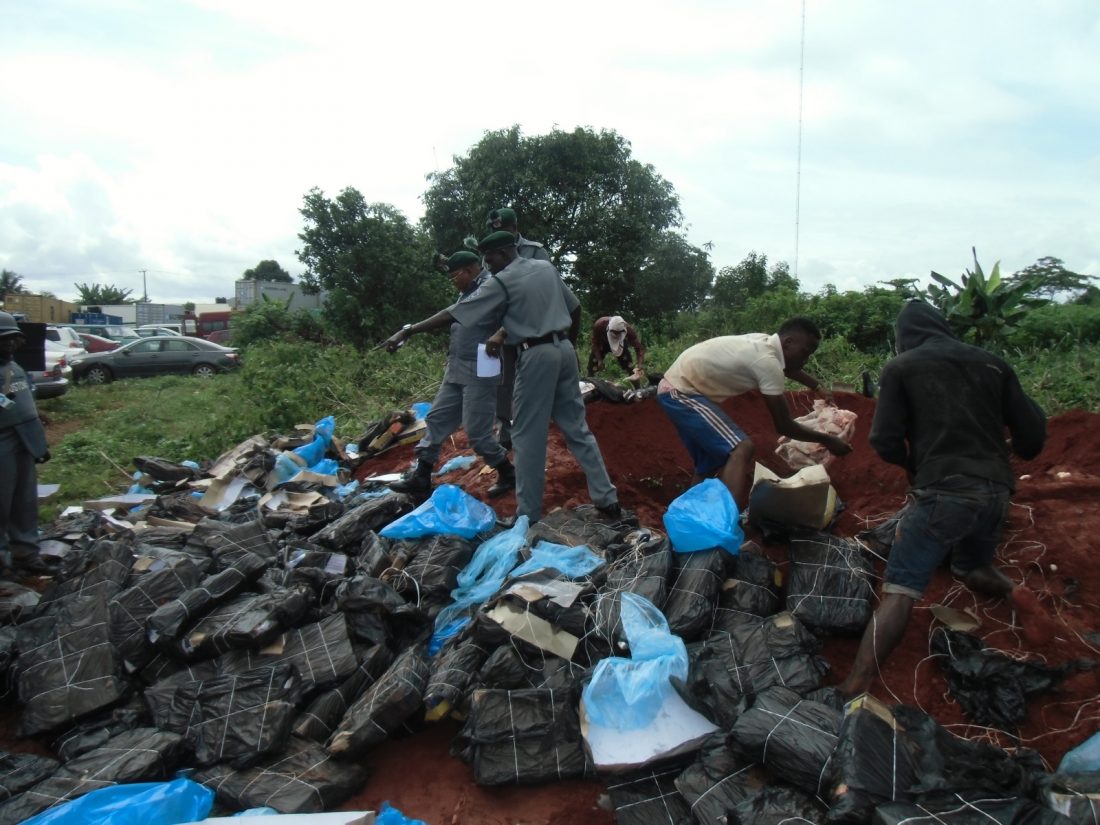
[{"x": 144, "y": 288}]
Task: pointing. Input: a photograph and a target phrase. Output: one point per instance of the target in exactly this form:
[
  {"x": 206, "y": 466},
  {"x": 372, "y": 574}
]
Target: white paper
[
  {"x": 487, "y": 365},
  {"x": 47, "y": 490},
  {"x": 675, "y": 730}
]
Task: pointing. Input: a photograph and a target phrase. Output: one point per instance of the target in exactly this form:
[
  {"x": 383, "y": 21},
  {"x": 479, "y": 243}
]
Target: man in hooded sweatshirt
[
  {"x": 613, "y": 336},
  {"x": 943, "y": 410}
]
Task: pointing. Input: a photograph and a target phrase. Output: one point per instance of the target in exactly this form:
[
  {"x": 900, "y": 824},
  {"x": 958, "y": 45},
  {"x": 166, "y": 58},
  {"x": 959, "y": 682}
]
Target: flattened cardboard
[{"x": 525, "y": 625}]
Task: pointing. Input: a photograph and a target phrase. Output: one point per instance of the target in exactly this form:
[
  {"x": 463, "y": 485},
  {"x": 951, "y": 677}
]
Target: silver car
[{"x": 160, "y": 355}]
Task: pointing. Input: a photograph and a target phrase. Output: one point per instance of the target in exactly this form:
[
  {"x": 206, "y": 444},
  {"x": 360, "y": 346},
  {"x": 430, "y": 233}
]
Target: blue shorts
[
  {"x": 959, "y": 516},
  {"x": 707, "y": 432}
]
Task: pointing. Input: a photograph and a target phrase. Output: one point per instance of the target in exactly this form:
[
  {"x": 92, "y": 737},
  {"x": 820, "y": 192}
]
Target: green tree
[
  {"x": 604, "y": 217},
  {"x": 268, "y": 271},
  {"x": 102, "y": 294},
  {"x": 735, "y": 285},
  {"x": 1050, "y": 278},
  {"x": 272, "y": 320},
  {"x": 373, "y": 263},
  {"x": 10, "y": 283},
  {"x": 987, "y": 308}
]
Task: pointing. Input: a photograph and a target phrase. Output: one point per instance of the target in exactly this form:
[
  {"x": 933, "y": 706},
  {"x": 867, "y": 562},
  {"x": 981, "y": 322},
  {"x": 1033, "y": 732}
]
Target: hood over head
[{"x": 919, "y": 323}]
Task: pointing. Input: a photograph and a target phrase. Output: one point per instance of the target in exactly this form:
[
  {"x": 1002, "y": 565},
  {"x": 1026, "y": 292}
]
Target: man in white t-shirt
[{"x": 708, "y": 373}]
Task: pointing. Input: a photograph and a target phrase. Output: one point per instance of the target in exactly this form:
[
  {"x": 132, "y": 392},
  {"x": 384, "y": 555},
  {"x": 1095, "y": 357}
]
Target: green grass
[{"x": 283, "y": 384}]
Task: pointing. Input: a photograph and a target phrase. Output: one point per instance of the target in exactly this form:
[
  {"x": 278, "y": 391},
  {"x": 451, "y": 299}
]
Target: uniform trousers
[
  {"x": 471, "y": 406},
  {"x": 18, "y": 498},
  {"x": 548, "y": 388}
]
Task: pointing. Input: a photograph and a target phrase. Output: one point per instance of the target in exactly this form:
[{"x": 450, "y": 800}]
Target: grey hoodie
[{"x": 944, "y": 406}]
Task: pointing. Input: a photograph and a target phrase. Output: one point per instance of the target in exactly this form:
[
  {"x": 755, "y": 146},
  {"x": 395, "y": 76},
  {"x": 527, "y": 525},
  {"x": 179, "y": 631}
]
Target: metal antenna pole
[{"x": 798, "y": 167}]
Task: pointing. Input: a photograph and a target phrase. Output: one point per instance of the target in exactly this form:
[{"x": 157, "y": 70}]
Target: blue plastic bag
[
  {"x": 1085, "y": 758},
  {"x": 142, "y": 803},
  {"x": 459, "y": 462},
  {"x": 704, "y": 517},
  {"x": 389, "y": 815},
  {"x": 449, "y": 512},
  {"x": 421, "y": 409},
  {"x": 573, "y": 562},
  {"x": 626, "y": 694},
  {"x": 315, "y": 450},
  {"x": 480, "y": 579}
]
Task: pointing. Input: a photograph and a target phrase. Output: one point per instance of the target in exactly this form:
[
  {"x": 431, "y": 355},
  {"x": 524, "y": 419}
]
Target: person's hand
[
  {"x": 837, "y": 447},
  {"x": 396, "y": 340},
  {"x": 494, "y": 344},
  {"x": 43, "y": 458}
]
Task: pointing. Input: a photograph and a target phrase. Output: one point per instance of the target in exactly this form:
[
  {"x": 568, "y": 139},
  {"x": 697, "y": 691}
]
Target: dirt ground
[{"x": 1048, "y": 549}]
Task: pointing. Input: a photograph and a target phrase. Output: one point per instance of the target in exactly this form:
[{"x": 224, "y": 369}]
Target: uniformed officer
[
  {"x": 505, "y": 219},
  {"x": 22, "y": 445},
  {"x": 541, "y": 318},
  {"x": 464, "y": 398}
]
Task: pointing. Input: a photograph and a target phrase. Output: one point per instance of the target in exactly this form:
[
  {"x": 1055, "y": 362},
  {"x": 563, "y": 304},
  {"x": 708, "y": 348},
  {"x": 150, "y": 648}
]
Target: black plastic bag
[
  {"x": 19, "y": 771},
  {"x": 384, "y": 707},
  {"x": 376, "y": 613},
  {"x": 748, "y": 659},
  {"x": 95, "y": 731},
  {"x": 693, "y": 592},
  {"x": 67, "y": 666},
  {"x": 132, "y": 607},
  {"x": 303, "y": 780},
  {"x": 321, "y": 652},
  {"x": 347, "y": 531},
  {"x": 830, "y": 587},
  {"x": 1076, "y": 795},
  {"x": 571, "y": 528},
  {"x": 648, "y": 797},
  {"x": 641, "y": 566},
  {"x": 161, "y": 469},
  {"x": 991, "y": 687},
  {"x": 236, "y": 719},
  {"x": 875, "y": 762},
  {"x": 167, "y": 624},
  {"x": 320, "y": 719},
  {"x": 16, "y": 602},
  {"x": 792, "y": 737},
  {"x": 717, "y": 780},
  {"x": 777, "y": 805},
  {"x": 453, "y": 670},
  {"x": 101, "y": 570},
  {"x": 249, "y": 621},
  {"x": 524, "y": 737},
  {"x": 749, "y": 594},
  {"x": 227, "y": 543},
  {"x": 431, "y": 565},
  {"x": 967, "y": 809},
  {"x": 145, "y": 754},
  {"x": 159, "y": 695}
]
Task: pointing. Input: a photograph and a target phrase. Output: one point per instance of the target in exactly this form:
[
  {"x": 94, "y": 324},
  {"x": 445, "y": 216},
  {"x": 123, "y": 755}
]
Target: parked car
[
  {"x": 116, "y": 332},
  {"x": 161, "y": 355},
  {"x": 54, "y": 380},
  {"x": 220, "y": 336},
  {"x": 66, "y": 336},
  {"x": 149, "y": 330},
  {"x": 97, "y": 343}
]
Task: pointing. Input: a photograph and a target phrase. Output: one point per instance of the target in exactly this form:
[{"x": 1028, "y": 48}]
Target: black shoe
[
  {"x": 506, "y": 480},
  {"x": 416, "y": 483},
  {"x": 36, "y": 566},
  {"x": 612, "y": 510}
]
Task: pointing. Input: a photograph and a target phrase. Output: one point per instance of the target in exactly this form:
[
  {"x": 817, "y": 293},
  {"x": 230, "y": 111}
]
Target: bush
[{"x": 1058, "y": 326}]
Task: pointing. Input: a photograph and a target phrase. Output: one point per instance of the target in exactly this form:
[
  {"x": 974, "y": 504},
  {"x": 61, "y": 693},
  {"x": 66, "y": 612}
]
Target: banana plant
[{"x": 989, "y": 308}]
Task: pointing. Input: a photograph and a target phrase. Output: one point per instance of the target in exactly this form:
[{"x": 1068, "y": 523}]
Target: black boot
[
  {"x": 417, "y": 482},
  {"x": 506, "y": 479}
]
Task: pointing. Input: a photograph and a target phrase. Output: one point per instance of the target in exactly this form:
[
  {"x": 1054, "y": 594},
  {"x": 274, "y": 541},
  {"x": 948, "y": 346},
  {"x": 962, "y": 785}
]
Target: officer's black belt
[{"x": 549, "y": 338}]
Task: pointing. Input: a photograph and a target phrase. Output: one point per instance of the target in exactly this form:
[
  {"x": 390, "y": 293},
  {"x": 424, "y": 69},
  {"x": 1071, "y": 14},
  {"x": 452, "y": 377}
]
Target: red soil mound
[{"x": 1048, "y": 549}]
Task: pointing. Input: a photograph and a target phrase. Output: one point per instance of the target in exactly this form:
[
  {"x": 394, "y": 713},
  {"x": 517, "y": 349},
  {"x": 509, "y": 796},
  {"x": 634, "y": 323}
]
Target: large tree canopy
[
  {"x": 1050, "y": 279},
  {"x": 102, "y": 294},
  {"x": 267, "y": 271},
  {"x": 607, "y": 220},
  {"x": 373, "y": 262},
  {"x": 735, "y": 285}
]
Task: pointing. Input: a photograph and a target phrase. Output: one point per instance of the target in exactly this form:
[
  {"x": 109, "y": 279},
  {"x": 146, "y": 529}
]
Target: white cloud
[{"x": 182, "y": 139}]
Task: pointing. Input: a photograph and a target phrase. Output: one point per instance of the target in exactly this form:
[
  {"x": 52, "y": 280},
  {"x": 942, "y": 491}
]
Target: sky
[{"x": 180, "y": 138}]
